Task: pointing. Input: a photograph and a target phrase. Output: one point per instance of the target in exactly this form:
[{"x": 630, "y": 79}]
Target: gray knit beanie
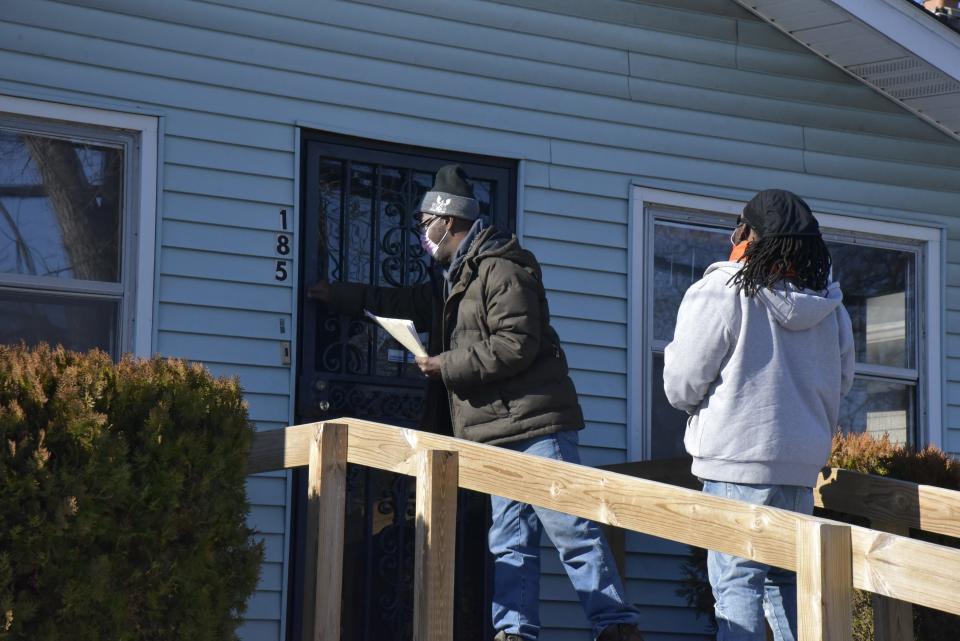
[{"x": 451, "y": 195}]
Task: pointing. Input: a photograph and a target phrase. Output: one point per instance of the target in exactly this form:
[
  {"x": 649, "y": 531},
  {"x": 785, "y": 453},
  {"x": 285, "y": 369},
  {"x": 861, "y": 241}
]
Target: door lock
[{"x": 324, "y": 406}]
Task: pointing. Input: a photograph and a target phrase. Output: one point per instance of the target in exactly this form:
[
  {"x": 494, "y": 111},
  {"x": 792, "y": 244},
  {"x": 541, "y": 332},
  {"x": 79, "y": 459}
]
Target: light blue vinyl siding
[{"x": 591, "y": 96}]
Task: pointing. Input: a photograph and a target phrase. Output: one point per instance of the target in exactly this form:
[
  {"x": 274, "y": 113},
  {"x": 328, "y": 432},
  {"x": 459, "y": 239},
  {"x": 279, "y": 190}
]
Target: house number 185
[{"x": 283, "y": 248}]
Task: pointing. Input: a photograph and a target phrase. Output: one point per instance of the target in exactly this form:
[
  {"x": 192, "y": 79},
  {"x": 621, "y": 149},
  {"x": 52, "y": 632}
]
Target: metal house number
[{"x": 283, "y": 248}]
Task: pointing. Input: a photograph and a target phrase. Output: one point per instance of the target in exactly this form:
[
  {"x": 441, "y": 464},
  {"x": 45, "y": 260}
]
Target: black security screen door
[{"x": 359, "y": 202}]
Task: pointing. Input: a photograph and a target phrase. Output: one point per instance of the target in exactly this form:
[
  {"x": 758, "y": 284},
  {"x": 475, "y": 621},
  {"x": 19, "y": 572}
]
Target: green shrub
[
  {"x": 866, "y": 454},
  {"x": 123, "y": 510}
]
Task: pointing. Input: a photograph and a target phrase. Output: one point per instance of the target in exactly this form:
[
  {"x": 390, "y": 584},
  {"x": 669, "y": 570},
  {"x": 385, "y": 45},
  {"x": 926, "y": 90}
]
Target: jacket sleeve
[
  {"x": 701, "y": 343},
  {"x": 513, "y": 315},
  {"x": 414, "y": 303},
  {"x": 847, "y": 351}
]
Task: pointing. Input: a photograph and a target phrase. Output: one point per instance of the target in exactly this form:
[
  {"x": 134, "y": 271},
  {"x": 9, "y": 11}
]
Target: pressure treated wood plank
[
  {"x": 885, "y": 561},
  {"x": 437, "y": 480},
  {"x": 895, "y": 504},
  {"x": 922, "y": 507},
  {"x": 892, "y": 619},
  {"x": 323, "y": 568},
  {"x": 644, "y": 506},
  {"x": 906, "y": 569},
  {"x": 824, "y": 582}
]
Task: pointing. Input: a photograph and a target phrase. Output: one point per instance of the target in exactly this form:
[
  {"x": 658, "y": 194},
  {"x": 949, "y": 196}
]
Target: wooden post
[
  {"x": 892, "y": 619},
  {"x": 326, "y": 505},
  {"x": 824, "y": 582},
  {"x": 437, "y": 483}
]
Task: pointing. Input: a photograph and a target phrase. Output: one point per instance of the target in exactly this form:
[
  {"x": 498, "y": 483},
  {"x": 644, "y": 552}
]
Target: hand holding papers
[{"x": 402, "y": 330}]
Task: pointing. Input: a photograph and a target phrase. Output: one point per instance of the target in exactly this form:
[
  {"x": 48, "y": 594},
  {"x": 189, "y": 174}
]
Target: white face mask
[{"x": 428, "y": 245}]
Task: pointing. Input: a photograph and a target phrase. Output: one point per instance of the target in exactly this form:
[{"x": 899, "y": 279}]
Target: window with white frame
[
  {"x": 70, "y": 223},
  {"x": 887, "y": 279}
]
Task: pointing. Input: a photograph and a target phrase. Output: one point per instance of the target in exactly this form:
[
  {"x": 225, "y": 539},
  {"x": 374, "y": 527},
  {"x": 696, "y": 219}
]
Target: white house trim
[
  {"x": 146, "y": 234},
  {"x": 640, "y": 223}
]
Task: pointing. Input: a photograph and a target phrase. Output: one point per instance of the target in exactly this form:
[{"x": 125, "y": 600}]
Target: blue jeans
[
  {"x": 515, "y": 545},
  {"x": 745, "y": 590}
]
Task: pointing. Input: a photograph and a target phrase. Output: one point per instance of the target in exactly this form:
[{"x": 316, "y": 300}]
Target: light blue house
[{"x": 174, "y": 173}]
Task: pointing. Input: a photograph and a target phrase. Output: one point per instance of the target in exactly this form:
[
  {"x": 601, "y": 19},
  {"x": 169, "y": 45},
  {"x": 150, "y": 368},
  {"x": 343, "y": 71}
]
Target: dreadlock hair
[{"x": 803, "y": 261}]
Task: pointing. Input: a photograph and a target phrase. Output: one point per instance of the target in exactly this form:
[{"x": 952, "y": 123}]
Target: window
[
  {"x": 888, "y": 285},
  {"x": 71, "y": 217},
  {"x": 882, "y": 293}
]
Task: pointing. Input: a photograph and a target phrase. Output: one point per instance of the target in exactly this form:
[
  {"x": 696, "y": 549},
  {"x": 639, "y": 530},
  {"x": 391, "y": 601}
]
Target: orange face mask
[{"x": 736, "y": 254}]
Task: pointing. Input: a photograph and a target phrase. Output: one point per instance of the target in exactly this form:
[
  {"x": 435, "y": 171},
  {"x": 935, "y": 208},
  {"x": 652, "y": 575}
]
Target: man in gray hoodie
[{"x": 762, "y": 354}]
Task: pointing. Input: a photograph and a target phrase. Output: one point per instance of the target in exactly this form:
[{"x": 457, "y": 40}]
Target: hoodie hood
[
  {"x": 761, "y": 378},
  {"x": 793, "y": 308}
]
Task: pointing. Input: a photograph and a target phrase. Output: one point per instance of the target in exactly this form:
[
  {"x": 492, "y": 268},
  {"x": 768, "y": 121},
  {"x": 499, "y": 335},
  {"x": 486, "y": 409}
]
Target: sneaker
[
  {"x": 503, "y": 636},
  {"x": 620, "y": 632}
]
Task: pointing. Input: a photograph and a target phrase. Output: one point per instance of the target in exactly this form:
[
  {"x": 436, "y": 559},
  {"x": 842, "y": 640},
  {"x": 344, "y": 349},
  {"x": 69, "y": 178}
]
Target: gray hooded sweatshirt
[{"x": 760, "y": 377}]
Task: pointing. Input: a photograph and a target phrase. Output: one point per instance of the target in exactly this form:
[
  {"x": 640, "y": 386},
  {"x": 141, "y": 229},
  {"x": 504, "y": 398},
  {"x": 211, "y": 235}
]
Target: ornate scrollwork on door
[{"x": 359, "y": 218}]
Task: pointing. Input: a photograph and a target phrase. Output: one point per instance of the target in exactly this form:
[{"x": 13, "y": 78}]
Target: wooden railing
[
  {"x": 896, "y": 507},
  {"x": 889, "y": 505},
  {"x": 830, "y": 558}
]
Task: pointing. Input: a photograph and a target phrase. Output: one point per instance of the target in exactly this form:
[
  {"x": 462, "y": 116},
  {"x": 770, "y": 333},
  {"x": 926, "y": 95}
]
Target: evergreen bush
[{"x": 123, "y": 508}]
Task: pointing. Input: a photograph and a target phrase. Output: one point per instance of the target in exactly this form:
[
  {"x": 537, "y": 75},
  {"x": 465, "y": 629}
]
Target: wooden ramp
[{"x": 830, "y": 558}]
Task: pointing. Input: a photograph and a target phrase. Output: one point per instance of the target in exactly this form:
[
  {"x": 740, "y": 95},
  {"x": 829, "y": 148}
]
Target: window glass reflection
[
  {"x": 879, "y": 293},
  {"x": 681, "y": 253},
  {"x": 875, "y": 407},
  {"x": 60, "y": 207},
  {"x": 78, "y": 324}
]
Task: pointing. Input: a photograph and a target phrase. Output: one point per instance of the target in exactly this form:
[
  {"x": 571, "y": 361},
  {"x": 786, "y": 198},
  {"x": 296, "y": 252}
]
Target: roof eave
[{"x": 904, "y": 53}]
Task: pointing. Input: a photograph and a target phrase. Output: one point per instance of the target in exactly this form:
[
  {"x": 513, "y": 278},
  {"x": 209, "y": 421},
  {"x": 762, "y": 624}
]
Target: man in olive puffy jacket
[{"x": 498, "y": 375}]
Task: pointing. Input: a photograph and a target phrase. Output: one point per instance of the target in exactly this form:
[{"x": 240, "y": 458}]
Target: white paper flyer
[{"x": 402, "y": 330}]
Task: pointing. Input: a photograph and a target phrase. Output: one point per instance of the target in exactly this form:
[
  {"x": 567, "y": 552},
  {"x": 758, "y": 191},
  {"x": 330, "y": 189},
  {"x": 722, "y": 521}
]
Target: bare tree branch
[
  {"x": 86, "y": 214},
  {"x": 23, "y": 250}
]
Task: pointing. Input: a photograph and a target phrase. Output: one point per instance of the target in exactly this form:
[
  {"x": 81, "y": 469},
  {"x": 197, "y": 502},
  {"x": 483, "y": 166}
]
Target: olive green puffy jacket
[{"x": 504, "y": 370}]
